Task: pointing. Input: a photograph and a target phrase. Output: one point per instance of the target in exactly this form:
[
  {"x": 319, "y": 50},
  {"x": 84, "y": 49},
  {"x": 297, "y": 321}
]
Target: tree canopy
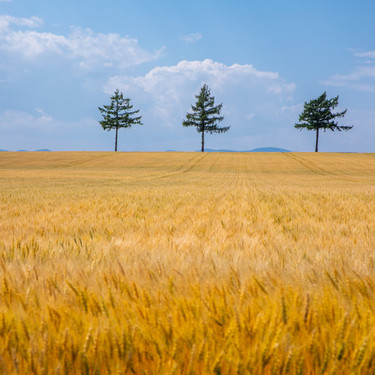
[
  {"x": 317, "y": 114},
  {"x": 205, "y": 115},
  {"x": 118, "y": 114}
]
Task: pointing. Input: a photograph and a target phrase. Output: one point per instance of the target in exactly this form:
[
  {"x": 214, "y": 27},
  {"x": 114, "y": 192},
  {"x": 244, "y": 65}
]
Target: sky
[{"x": 60, "y": 60}]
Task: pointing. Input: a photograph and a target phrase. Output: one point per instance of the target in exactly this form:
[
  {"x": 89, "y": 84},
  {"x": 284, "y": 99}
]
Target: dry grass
[{"x": 187, "y": 263}]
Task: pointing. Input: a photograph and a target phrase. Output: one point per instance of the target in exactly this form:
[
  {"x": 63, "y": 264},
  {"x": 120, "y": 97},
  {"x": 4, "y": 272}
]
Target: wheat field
[{"x": 187, "y": 263}]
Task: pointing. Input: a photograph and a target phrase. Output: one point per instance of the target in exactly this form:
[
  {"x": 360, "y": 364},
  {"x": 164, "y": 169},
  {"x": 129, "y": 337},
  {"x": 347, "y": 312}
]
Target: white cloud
[
  {"x": 368, "y": 54},
  {"x": 20, "y": 121},
  {"x": 358, "y": 74},
  {"x": 250, "y": 97},
  {"x": 169, "y": 80},
  {"x": 88, "y": 48},
  {"x": 6, "y": 21},
  {"x": 192, "y": 38},
  {"x": 362, "y": 78}
]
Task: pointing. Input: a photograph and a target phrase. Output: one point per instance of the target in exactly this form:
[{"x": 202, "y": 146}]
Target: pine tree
[
  {"x": 205, "y": 115},
  {"x": 118, "y": 114},
  {"x": 317, "y": 115}
]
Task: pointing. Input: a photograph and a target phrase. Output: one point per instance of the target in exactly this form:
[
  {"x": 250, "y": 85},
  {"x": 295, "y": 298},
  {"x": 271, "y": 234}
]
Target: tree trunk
[
  {"x": 202, "y": 141},
  {"x": 317, "y": 140},
  {"x": 116, "y": 138}
]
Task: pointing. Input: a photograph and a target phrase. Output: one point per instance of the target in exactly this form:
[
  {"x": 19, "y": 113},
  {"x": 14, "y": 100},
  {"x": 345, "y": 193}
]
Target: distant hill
[
  {"x": 269, "y": 149},
  {"x": 261, "y": 149},
  {"x": 3, "y": 150}
]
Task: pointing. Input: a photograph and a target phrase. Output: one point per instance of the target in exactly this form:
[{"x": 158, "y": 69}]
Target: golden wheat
[{"x": 187, "y": 263}]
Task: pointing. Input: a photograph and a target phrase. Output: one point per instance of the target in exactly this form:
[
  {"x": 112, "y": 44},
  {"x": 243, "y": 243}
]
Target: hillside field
[{"x": 187, "y": 263}]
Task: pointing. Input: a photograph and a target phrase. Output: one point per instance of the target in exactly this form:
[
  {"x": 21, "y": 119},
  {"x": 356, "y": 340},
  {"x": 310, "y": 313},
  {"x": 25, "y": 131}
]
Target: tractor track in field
[
  {"x": 184, "y": 168},
  {"x": 153, "y": 175},
  {"x": 312, "y": 167},
  {"x": 79, "y": 162},
  {"x": 214, "y": 170},
  {"x": 208, "y": 170}
]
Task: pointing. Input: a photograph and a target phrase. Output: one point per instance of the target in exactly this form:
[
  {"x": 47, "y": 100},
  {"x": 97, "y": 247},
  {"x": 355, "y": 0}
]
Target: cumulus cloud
[
  {"x": 249, "y": 95},
  {"x": 170, "y": 81},
  {"x": 192, "y": 38},
  {"x": 362, "y": 78},
  {"x": 88, "y": 48}
]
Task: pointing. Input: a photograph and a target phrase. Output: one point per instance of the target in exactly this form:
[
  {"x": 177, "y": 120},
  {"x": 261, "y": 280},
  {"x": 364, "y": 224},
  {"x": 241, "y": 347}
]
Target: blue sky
[{"x": 60, "y": 60}]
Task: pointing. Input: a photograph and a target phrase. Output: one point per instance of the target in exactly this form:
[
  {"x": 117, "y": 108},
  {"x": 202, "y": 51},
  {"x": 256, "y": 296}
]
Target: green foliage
[
  {"x": 118, "y": 114},
  {"x": 205, "y": 115},
  {"x": 317, "y": 114}
]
